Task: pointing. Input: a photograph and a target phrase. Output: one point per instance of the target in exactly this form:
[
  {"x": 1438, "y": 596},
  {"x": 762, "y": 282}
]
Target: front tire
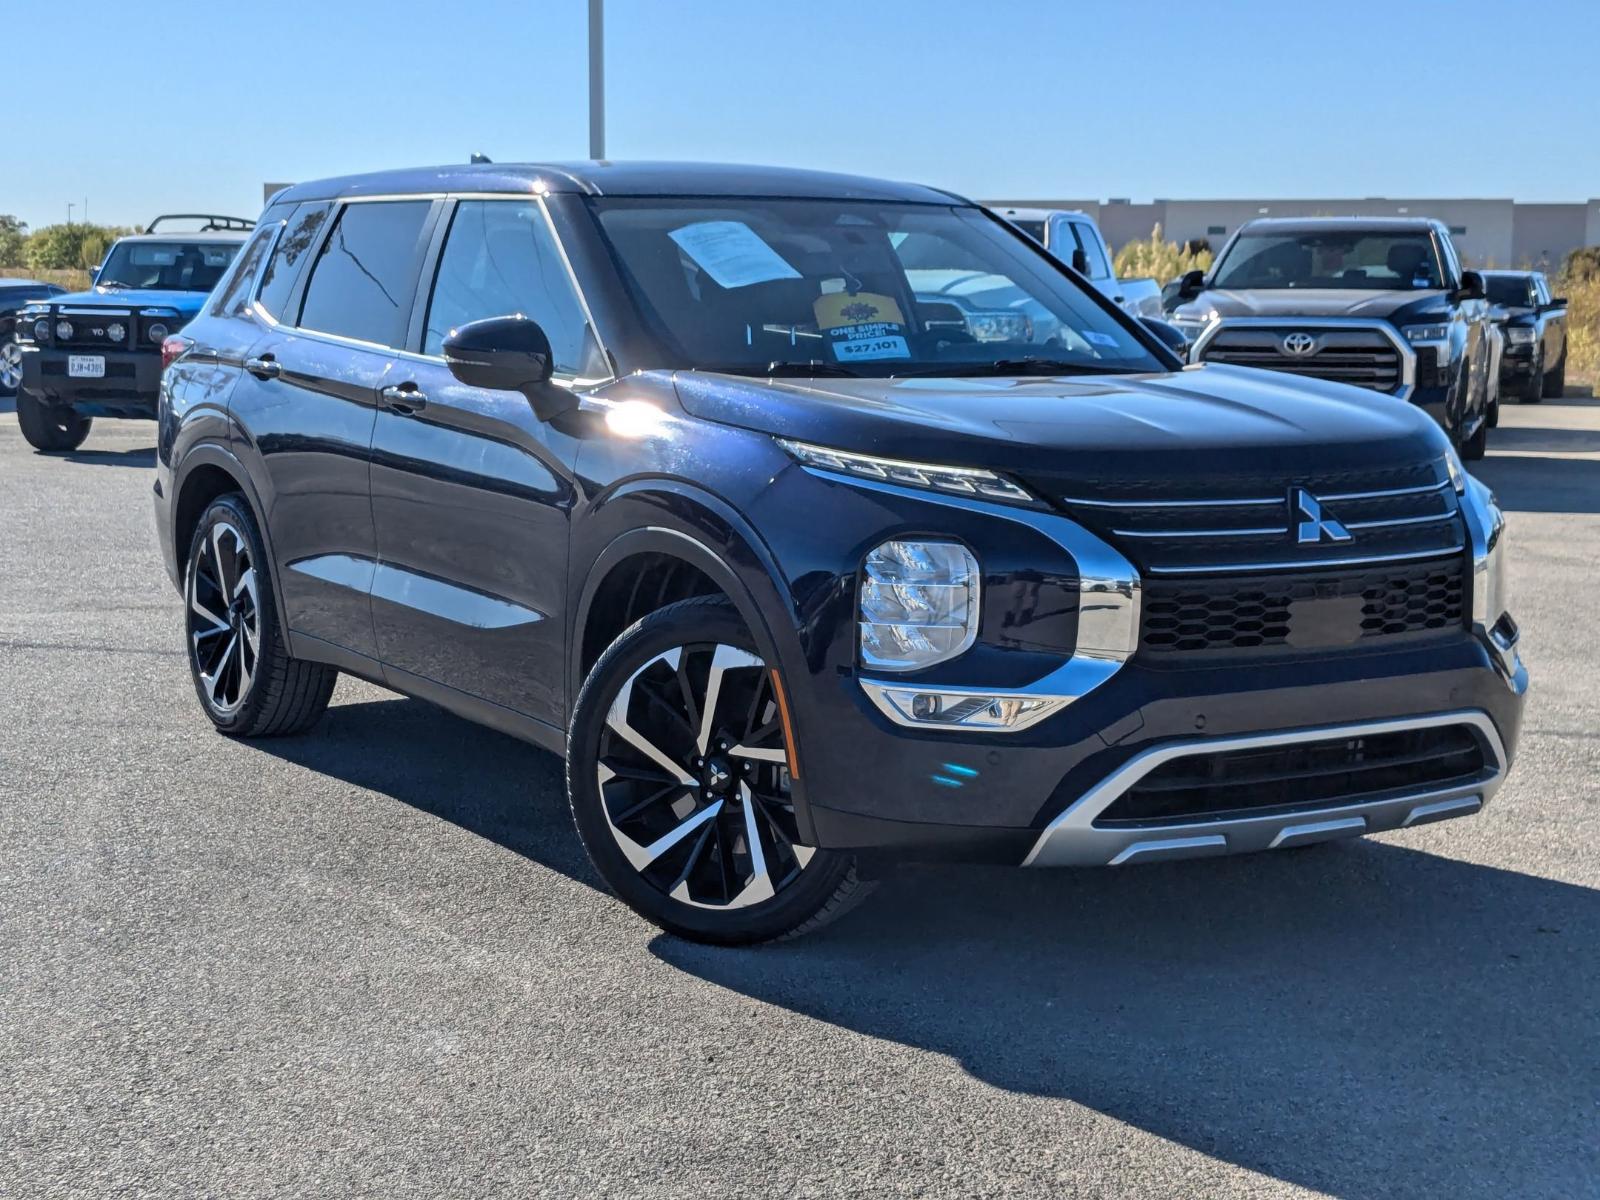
[
  {"x": 10, "y": 366},
  {"x": 246, "y": 681},
  {"x": 50, "y": 428},
  {"x": 1555, "y": 383},
  {"x": 1476, "y": 446},
  {"x": 679, "y": 781}
]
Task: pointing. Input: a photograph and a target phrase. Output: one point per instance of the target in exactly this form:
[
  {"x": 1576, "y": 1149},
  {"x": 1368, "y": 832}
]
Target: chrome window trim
[
  {"x": 1408, "y": 356},
  {"x": 1072, "y": 838},
  {"x": 1109, "y": 592}
]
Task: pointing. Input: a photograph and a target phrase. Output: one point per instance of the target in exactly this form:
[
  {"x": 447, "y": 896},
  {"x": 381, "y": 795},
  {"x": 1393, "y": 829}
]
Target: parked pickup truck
[
  {"x": 1074, "y": 238},
  {"x": 1382, "y": 303},
  {"x": 98, "y": 353},
  {"x": 1534, "y": 326}
]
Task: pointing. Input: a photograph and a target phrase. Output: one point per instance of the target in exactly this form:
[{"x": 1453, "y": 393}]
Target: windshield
[
  {"x": 174, "y": 266},
  {"x": 1392, "y": 261},
  {"x": 846, "y": 287},
  {"x": 1509, "y": 290}
]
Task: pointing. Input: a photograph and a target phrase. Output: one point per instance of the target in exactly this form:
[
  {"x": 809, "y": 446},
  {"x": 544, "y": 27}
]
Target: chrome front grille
[
  {"x": 1259, "y": 526},
  {"x": 1363, "y": 356}
]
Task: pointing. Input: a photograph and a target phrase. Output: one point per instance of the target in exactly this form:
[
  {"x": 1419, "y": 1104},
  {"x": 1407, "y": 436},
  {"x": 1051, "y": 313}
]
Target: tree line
[{"x": 78, "y": 245}]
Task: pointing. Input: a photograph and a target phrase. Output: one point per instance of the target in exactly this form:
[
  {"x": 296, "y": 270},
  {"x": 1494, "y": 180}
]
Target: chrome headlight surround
[
  {"x": 1491, "y": 616},
  {"x": 1434, "y": 332}
]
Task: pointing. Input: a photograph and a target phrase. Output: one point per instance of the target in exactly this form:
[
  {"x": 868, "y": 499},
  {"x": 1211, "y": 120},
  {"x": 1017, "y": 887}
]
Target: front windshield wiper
[
  {"x": 788, "y": 368},
  {"x": 1031, "y": 365}
]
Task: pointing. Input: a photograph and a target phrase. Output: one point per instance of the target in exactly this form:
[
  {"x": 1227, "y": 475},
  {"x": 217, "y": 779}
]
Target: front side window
[
  {"x": 234, "y": 299},
  {"x": 855, "y": 287},
  {"x": 361, "y": 283},
  {"x": 1090, "y": 244},
  {"x": 1331, "y": 259},
  {"x": 501, "y": 259},
  {"x": 176, "y": 266}
]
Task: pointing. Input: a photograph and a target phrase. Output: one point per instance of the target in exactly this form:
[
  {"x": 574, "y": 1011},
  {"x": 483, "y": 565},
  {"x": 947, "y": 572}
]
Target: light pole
[
  {"x": 70, "y": 207},
  {"x": 597, "y": 79}
]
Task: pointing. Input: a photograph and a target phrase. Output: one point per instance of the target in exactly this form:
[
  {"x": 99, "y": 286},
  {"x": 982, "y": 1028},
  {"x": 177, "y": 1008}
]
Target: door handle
[
  {"x": 403, "y": 398},
  {"x": 265, "y": 367}
]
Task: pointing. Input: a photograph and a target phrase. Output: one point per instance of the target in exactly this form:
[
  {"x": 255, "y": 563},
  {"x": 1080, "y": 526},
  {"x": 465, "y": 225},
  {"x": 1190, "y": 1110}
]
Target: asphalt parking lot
[{"x": 373, "y": 961}]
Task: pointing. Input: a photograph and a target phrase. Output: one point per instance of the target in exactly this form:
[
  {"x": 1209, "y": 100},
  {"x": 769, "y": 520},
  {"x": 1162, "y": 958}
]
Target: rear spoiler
[{"x": 211, "y": 222}]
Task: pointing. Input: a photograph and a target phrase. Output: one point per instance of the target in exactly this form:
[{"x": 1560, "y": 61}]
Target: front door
[{"x": 471, "y": 493}]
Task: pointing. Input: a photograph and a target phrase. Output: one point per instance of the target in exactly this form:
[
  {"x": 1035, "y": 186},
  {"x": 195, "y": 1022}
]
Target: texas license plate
[{"x": 86, "y": 366}]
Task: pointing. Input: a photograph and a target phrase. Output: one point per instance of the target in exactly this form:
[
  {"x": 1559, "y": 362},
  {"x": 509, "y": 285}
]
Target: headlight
[
  {"x": 157, "y": 333},
  {"x": 919, "y": 604},
  {"x": 64, "y": 330},
  {"x": 1191, "y": 327},
  {"x": 1457, "y": 472},
  {"x": 41, "y": 331},
  {"x": 963, "y": 481},
  {"x": 1000, "y": 327},
  {"x": 116, "y": 332},
  {"x": 1519, "y": 335},
  {"x": 1427, "y": 333}
]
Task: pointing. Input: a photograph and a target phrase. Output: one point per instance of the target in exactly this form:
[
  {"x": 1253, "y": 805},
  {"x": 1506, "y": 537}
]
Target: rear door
[
  {"x": 471, "y": 493},
  {"x": 309, "y": 395}
]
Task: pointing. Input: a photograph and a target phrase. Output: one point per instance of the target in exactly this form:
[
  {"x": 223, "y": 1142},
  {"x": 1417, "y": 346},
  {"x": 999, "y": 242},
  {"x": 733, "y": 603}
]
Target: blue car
[{"x": 98, "y": 353}]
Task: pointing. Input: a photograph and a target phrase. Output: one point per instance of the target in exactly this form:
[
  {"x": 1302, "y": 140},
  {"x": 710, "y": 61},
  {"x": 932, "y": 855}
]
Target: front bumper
[{"x": 129, "y": 387}]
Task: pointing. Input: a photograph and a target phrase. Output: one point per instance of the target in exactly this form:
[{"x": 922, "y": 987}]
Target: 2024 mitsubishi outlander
[{"x": 676, "y": 471}]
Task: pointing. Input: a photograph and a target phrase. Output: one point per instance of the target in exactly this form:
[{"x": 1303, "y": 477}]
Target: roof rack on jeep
[{"x": 213, "y": 222}]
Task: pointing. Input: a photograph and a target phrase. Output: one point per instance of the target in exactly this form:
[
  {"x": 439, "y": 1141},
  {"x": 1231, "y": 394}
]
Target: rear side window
[
  {"x": 299, "y": 235},
  {"x": 500, "y": 259},
  {"x": 234, "y": 297},
  {"x": 361, "y": 283},
  {"x": 1091, "y": 250}
]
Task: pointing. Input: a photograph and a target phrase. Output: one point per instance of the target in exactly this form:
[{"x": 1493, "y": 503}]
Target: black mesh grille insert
[
  {"x": 1302, "y": 612},
  {"x": 1309, "y": 774}
]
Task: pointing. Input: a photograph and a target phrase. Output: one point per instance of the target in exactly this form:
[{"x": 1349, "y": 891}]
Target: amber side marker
[{"x": 788, "y": 726}]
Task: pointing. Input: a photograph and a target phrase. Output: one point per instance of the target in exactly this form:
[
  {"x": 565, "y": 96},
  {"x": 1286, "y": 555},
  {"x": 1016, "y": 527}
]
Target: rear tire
[
  {"x": 50, "y": 428},
  {"x": 677, "y": 774},
  {"x": 1555, "y": 383},
  {"x": 246, "y": 681}
]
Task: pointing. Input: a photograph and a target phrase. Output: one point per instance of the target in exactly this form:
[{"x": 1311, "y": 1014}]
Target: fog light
[
  {"x": 116, "y": 333},
  {"x": 977, "y": 710},
  {"x": 64, "y": 330}
]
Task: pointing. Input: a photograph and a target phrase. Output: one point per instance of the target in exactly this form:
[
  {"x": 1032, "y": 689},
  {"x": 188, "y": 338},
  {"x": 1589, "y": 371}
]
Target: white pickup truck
[{"x": 1073, "y": 237}]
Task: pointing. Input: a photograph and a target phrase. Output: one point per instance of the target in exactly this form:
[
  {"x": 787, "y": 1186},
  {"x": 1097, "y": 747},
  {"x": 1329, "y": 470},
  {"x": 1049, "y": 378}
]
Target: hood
[
  {"x": 1202, "y": 422},
  {"x": 187, "y": 303},
  {"x": 1386, "y": 304}
]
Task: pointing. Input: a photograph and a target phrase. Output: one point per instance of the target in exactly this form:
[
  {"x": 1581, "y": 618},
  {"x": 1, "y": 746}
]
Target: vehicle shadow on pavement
[
  {"x": 1535, "y": 483},
  {"x": 142, "y": 456},
  {"x": 417, "y": 754},
  {"x": 1361, "y": 1019}
]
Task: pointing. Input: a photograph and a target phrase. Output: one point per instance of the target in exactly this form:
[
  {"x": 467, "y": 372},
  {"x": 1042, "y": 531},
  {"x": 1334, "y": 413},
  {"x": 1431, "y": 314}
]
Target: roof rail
[{"x": 212, "y": 222}]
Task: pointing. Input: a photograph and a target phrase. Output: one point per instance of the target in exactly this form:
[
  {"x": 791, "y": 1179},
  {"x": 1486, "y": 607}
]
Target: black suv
[
  {"x": 1534, "y": 326},
  {"x": 686, "y": 473},
  {"x": 1382, "y": 303}
]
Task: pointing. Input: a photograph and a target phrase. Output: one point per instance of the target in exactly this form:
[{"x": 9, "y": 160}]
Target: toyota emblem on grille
[
  {"x": 1297, "y": 345},
  {"x": 1311, "y": 524}
]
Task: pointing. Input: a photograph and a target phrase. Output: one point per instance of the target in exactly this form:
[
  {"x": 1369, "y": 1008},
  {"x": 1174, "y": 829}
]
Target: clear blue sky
[{"x": 194, "y": 104}]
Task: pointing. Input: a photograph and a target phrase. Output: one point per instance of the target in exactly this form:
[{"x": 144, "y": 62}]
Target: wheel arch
[{"x": 208, "y": 471}]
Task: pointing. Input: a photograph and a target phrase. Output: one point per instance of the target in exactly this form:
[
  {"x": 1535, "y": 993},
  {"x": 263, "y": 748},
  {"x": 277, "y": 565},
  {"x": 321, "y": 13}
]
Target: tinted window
[
  {"x": 1034, "y": 229},
  {"x": 1510, "y": 290},
  {"x": 234, "y": 298},
  {"x": 299, "y": 235},
  {"x": 1332, "y": 259},
  {"x": 361, "y": 283},
  {"x": 500, "y": 259},
  {"x": 1091, "y": 249}
]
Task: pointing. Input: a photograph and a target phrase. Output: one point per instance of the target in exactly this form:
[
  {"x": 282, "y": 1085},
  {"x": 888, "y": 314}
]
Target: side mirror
[
  {"x": 1471, "y": 286},
  {"x": 1168, "y": 335},
  {"x": 508, "y": 354},
  {"x": 1557, "y": 302},
  {"x": 1191, "y": 285},
  {"x": 1080, "y": 261}
]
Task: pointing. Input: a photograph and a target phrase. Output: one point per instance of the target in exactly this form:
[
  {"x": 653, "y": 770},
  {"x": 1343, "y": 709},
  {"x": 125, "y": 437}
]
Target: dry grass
[{"x": 1583, "y": 329}]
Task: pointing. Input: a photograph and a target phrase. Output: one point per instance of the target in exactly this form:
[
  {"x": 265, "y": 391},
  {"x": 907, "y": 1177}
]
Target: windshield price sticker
[
  {"x": 880, "y": 339},
  {"x": 1095, "y": 338}
]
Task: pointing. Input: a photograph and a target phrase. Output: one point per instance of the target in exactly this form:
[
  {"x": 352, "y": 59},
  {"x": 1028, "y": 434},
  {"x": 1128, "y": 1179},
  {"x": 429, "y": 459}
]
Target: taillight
[{"x": 173, "y": 348}]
